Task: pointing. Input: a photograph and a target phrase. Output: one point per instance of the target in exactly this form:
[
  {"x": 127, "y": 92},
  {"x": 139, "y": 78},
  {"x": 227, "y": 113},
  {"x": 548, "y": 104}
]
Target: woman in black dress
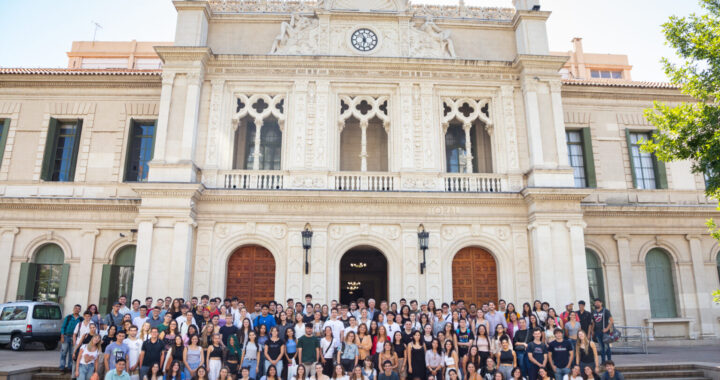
[{"x": 416, "y": 357}]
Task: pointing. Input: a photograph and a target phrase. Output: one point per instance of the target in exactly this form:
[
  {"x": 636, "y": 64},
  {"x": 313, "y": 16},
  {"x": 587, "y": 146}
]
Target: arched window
[
  {"x": 44, "y": 279},
  {"x": 117, "y": 278},
  {"x": 661, "y": 286},
  {"x": 596, "y": 282}
]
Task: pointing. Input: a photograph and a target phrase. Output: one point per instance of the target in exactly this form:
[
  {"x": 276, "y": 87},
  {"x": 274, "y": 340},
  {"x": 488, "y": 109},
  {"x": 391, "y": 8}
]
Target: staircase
[
  {"x": 663, "y": 372},
  {"x": 50, "y": 373}
]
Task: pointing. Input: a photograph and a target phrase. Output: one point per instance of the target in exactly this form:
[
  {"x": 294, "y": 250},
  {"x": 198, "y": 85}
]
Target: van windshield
[{"x": 46, "y": 312}]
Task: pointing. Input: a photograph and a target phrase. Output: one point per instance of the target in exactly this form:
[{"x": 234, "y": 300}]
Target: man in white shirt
[
  {"x": 123, "y": 305},
  {"x": 390, "y": 324},
  {"x": 353, "y": 326},
  {"x": 336, "y": 326},
  {"x": 364, "y": 318},
  {"x": 241, "y": 316},
  {"x": 134, "y": 347},
  {"x": 142, "y": 318},
  {"x": 82, "y": 328},
  {"x": 446, "y": 314},
  {"x": 185, "y": 321}
]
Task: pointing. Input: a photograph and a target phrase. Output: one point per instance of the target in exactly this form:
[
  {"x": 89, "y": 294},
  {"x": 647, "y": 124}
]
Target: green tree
[{"x": 691, "y": 130}]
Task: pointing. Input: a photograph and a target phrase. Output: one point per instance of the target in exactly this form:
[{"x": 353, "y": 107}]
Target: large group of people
[{"x": 227, "y": 339}]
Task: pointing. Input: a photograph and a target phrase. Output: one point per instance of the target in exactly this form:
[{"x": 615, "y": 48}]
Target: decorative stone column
[
  {"x": 363, "y": 145},
  {"x": 256, "y": 143},
  {"x": 702, "y": 295},
  {"x": 168, "y": 79},
  {"x": 353, "y": 111},
  {"x": 80, "y": 294},
  {"x": 192, "y": 107},
  {"x": 468, "y": 148},
  {"x": 532, "y": 119},
  {"x": 626, "y": 278},
  {"x": 542, "y": 258},
  {"x": 579, "y": 262},
  {"x": 7, "y": 243},
  {"x": 559, "y": 123},
  {"x": 143, "y": 255},
  {"x": 182, "y": 257}
]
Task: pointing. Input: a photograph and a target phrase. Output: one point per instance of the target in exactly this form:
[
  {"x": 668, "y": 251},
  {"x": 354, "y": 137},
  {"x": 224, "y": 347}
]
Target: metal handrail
[{"x": 632, "y": 335}]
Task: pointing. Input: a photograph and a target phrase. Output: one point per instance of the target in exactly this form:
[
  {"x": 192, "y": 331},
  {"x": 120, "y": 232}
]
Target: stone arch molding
[
  {"x": 376, "y": 110},
  {"x": 225, "y": 250},
  {"x": 453, "y": 106},
  {"x": 116, "y": 246},
  {"x": 598, "y": 249},
  {"x": 714, "y": 252},
  {"x": 392, "y": 254},
  {"x": 665, "y": 245},
  {"x": 247, "y": 107},
  {"x": 503, "y": 262},
  {"x": 48, "y": 238}
]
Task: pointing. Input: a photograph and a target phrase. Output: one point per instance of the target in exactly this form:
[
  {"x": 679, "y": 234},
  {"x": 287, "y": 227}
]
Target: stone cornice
[
  {"x": 70, "y": 204},
  {"x": 651, "y": 210},
  {"x": 79, "y": 81},
  {"x": 529, "y": 15},
  {"x": 168, "y": 190},
  {"x": 317, "y": 197},
  {"x": 623, "y": 93},
  {"x": 543, "y": 62},
  {"x": 184, "y": 5},
  {"x": 183, "y": 53},
  {"x": 573, "y": 194}
]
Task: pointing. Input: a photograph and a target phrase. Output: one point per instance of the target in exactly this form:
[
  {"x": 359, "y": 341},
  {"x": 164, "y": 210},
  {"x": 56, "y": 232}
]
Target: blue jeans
[
  {"x": 85, "y": 371},
  {"x": 603, "y": 349},
  {"x": 560, "y": 372},
  {"x": 252, "y": 363},
  {"x": 66, "y": 353},
  {"x": 532, "y": 371},
  {"x": 522, "y": 362},
  {"x": 143, "y": 371}
]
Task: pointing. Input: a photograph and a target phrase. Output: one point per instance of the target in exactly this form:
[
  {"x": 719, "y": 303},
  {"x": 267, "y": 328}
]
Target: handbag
[{"x": 612, "y": 336}]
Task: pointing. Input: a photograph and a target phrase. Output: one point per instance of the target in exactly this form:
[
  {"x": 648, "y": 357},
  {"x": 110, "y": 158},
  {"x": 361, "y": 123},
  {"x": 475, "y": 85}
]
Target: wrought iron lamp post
[
  {"x": 307, "y": 243},
  {"x": 423, "y": 239}
]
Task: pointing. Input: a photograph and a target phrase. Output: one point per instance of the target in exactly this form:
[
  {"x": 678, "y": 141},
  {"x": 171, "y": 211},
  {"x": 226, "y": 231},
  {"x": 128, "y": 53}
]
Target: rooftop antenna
[{"x": 97, "y": 26}]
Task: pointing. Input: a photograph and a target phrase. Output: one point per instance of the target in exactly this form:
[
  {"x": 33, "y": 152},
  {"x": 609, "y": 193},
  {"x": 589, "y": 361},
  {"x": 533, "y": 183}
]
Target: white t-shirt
[
  {"x": 391, "y": 329},
  {"x": 351, "y": 328},
  {"x": 336, "y": 326},
  {"x": 80, "y": 330},
  {"x": 139, "y": 321},
  {"x": 328, "y": 348},
  {"x": 134, "y": 348},
  {"x": 183, "y": 325},
  {"x": 93, "y": 355}
]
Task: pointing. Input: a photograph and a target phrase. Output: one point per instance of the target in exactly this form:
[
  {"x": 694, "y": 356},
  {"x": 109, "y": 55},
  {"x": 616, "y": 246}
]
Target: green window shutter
[
  {"x": 64, "y": 280},
  {"x": 630, "y": 156},
  {"x": 128, "y": 151},
  {"x": 660, "y": 174},
  {"x": 661, "y": 286},
  {"x": 104, "y": 306},
  {"x": 4, "y": 129},
  {"x": 49, "y": 155},
  {"x": 588, "y": 158},
  {"x": 26, "y": 284},
  {"x": 76, "y": 148}
]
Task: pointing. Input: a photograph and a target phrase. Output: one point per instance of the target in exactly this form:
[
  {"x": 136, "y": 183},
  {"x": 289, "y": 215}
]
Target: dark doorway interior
[{"x": 363, "y": 273}]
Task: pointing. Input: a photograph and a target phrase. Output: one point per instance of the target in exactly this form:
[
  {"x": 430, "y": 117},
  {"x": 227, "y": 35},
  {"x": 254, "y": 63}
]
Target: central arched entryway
[
  {"x": 474, "y": 276},
  {"x": 363, "y": 273},
  {"x": 251, "y": 275}
]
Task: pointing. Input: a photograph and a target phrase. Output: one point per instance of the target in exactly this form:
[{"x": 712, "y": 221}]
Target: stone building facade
[{"x": 360, "y": 121}]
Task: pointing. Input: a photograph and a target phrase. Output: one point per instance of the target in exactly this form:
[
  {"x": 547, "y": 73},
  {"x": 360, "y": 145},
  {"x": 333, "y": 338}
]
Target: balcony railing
[{"x": 360, "y": 181}]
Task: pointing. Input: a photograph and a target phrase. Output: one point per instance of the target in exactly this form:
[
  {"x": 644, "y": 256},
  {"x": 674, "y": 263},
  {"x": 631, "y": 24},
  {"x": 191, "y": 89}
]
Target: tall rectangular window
[
  {"x": 140, "y": 150},
  {"x": 61, "y": 150},
  {"x": 576, "y": 157},
  {"x": 4, "y": 129},
  {"x": 643, "y": 164}
]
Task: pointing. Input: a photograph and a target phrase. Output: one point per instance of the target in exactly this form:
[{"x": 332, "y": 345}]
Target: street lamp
[
  {"x": 423, "y": 238},
  {"x": 307, "y": 243}
]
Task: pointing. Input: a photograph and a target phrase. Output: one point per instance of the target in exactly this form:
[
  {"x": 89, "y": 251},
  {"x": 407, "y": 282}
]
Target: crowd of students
[{"x": 216, "y": 339}]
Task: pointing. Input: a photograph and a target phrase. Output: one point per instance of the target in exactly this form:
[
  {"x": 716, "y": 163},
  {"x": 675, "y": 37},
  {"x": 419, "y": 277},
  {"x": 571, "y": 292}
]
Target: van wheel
[
  {"x": 16, "y": 342},
  {"x": 50, "y": 345}
]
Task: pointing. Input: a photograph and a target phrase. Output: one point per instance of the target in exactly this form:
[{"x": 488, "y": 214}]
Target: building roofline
[
  {"x": 619, "y": 83},
  {"x": 65, "y": 71}
]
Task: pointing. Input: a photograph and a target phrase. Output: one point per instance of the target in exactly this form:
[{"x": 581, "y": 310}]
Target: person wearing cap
[
  {"x": 585, "y": 317},
  {"x": 308, "y": 349}
]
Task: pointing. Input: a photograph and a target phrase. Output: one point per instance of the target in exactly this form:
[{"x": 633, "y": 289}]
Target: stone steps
[{"x": 664, "y": 372}]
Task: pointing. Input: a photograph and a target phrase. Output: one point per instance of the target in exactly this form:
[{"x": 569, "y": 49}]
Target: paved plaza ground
[{"x": 659, "y": 353}]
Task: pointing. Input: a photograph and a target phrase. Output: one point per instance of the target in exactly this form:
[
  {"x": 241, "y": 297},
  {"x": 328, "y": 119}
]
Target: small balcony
[{"x": 358, "y": 181}]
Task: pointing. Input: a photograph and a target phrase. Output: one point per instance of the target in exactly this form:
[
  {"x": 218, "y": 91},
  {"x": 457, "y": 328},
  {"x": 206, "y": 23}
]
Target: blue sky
[{"x": 38, "y": 33}]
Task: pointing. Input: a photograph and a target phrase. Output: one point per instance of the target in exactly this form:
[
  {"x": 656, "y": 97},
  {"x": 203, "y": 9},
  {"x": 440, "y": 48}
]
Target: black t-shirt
[
  {"x": 521, "y": 336},
  {"x": 464, "y": 337},
  {"x": 308, "y": 318},
  {"x": 601, "y": 318},
  {"x": 560, "y": 353},
  {"x": 274, "y": 347},
  {"x": 226, "y": 331},
  {"x": 585, "y": 320},
  {"x": 345, "y": 321},
  {"x": 406, "y": 338},
  {"x": 153, "y": 352},
  {"x": 537, "y": 351}
]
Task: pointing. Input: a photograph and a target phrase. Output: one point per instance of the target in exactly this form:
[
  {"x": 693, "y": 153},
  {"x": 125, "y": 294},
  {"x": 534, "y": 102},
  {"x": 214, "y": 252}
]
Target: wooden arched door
[
  {"x": 474, "y": 276},
  {"x": 251, "y": 275}
]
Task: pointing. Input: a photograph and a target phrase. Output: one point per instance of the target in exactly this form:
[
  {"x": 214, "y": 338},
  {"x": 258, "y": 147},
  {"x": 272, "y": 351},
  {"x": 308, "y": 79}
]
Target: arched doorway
[
  {"x": 46, "y": 277},
  {"x": 661, "y": 285},
  {"x": 474, "y": 276},
  {"x": 596, "y": 282},
  {"x": 251, "y": 275},
  {"x": 363, "y": 273},
  {"x": 117, "y": 278}
]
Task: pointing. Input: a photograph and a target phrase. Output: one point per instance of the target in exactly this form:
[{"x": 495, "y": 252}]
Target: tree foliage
[{"x": 691, "y": 130}]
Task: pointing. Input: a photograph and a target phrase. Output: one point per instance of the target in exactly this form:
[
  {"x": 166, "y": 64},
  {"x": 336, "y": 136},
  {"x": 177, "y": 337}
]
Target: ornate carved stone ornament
[
  {"x": 429, "y": 41},
  {"x": 299, "y": 36},
  {"x": 260, "y": 107},
  {"x": 364, "y": 108},
  {"x": 465, "y": 110},
  {"x": 365, "y": 5}
]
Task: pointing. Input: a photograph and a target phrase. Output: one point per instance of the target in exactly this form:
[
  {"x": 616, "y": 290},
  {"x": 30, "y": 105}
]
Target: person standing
[
  {"x": 561, "y": 355},
  {"x": 585, "y": 317},
  {"x": 115, "y": 351},
  {"x": 417, "y": 367},
  {"x": 274, "y": 351},
  {"x": 151, "y": 353},
  {"x": 495, "y": 319},
  {"x": 602, "y": 325},
  {"x": 87, "y": 360},
  {"x": 308, "y": 349},
  {"x": 537, "y": 353},
  {"x": 66, "y": 339}
]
